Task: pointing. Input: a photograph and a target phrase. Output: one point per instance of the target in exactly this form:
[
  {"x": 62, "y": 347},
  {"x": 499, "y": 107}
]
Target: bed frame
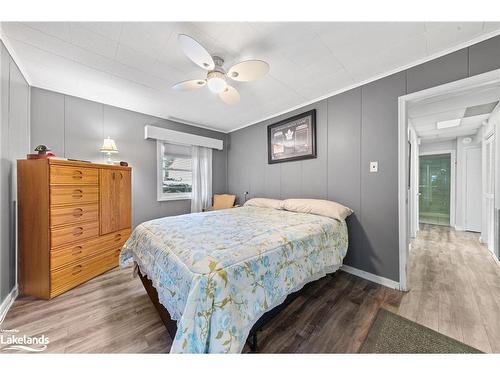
[{"x": 171, "y": 325}]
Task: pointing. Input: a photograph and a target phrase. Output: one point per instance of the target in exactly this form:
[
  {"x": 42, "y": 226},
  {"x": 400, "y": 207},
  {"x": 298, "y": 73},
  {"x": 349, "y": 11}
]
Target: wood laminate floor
[
  {"x": 113, "y": 314},
  {"x": 454, "y": 287},
  {"x": 456, "y": 290}
]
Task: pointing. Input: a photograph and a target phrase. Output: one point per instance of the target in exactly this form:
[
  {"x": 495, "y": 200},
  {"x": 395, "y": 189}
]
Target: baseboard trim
[
  {"x": 459, "y": 229},
  {"x": 494, "y": 256},
  {"x": 371, "y": 277},
  {"x": 7, "y": 303}
]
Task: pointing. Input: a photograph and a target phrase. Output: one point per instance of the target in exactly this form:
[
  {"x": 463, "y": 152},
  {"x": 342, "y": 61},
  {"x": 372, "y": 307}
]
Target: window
[{"x": 174, "y": 171}]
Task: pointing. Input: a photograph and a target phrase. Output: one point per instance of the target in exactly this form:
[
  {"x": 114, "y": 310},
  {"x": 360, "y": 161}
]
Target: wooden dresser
[{"x": 74, "y": 217}]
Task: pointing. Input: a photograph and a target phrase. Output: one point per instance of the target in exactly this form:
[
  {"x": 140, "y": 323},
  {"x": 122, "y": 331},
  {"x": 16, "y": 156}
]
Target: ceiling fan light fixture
[{"x": 216, "y": 82}]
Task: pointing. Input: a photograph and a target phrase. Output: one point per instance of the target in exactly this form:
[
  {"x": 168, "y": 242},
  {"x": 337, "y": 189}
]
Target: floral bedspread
[{"x": 217, "y": 272}]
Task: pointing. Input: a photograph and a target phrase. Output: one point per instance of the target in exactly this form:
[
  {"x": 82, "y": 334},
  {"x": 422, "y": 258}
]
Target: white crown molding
[
  {"x": 371, "y": 277},
  {"x": 7, "y": 303},
  {"x": 377, "y": 77}
]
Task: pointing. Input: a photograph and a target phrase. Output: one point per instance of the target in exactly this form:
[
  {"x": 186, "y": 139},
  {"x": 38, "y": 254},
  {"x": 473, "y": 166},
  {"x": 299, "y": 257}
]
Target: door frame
[
  {"x": 489, "y": 138},
  {"x": 453, "y": 164},
  {"x": 485, "y": 79},
  {"x": 465, "y": 171}
]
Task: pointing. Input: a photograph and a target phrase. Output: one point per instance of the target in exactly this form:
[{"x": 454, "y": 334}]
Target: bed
[{"x": 217, "y": 273}]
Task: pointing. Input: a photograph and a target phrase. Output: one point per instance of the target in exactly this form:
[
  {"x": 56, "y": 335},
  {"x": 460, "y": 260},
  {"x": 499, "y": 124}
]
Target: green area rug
[{"x": 391, "y": 333}]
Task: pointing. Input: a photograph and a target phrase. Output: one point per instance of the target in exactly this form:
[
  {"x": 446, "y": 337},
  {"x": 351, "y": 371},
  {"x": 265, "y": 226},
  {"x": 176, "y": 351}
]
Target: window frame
[{"x": 160, "y": 195}]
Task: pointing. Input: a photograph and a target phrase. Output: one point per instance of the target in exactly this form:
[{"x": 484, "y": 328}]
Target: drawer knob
[
  {"x": 77, "y": 193},
  {"x": 118, "y": 237},
  {"x": 77, "y": 175},
  {"x": 77, "y": 269},
  {"x": 77, "y": 250},
  {"x": 77, "y": 212},
  {"x": 77, "y": 231}
]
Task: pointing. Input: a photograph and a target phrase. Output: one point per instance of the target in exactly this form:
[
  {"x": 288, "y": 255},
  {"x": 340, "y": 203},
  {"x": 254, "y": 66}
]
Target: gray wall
[
  {"x": 14, "y": 144},
  {"x": 75, "y": 128},
  {"x": 354, "y": 128}
]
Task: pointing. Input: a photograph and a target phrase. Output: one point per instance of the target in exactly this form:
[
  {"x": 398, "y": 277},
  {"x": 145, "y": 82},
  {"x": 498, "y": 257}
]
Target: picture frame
[{"x": 292, "y": 139}]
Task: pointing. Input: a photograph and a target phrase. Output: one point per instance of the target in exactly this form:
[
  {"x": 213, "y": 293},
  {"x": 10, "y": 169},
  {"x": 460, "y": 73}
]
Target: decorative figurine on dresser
[{"x": 74, "y": 217}]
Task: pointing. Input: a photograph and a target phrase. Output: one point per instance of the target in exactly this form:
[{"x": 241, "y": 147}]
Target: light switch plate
[{"x": 374, "y": 166}]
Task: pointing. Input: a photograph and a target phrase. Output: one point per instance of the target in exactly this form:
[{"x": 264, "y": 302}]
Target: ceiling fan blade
[
  {"x": 196, "y": 52},
  {"x": 230, "y": 96},
  {"x": 190, "y": 85},
  {"x": 248, "y": 70}
]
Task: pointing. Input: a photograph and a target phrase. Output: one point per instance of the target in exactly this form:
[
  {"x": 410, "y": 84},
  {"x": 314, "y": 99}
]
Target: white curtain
[{"x": 201, "y": 195}]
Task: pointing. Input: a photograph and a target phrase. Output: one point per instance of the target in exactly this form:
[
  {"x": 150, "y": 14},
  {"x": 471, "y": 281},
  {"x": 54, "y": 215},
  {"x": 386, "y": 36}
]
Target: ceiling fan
[{"x": 217, "y": 77}]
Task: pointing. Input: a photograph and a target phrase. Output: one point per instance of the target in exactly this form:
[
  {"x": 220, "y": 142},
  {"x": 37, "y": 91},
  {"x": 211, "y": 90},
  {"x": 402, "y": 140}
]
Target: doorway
[
  {"x": 474, "y": 97},
  {"x": 489, "y": 192},
  {"x": 435, "y": 189}
]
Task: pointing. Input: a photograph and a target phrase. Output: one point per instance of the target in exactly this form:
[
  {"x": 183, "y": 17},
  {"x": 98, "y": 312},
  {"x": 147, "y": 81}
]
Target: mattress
[{"x": 217, "y": 272}]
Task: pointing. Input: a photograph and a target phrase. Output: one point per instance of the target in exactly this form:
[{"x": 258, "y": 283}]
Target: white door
[
  {"x": 489, "y": 192},
  {"x": 473, "y": 191}
]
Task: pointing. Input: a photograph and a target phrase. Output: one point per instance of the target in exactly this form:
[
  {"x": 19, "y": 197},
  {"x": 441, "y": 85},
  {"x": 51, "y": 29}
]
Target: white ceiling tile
[
  {"x": 491, "y": 26},
  {"x": 351, "y": 43},
  {"x": 213, "y": 30},
  {"x": 306, "y": 53},
  {"x": 148, "y": 37},
  {"x": 25, "y": 33},
  {"x": 474, "y": 120},
  {"x": 60, "y": 30},
  {"x": 448, "y": 34},
  {"x": 92, "y": 41},
  {"x": 110, "y": 30},
  {"x": 430, "y": 120},
  {"x": 240, "y": 42},
  {"x": 131, "y": 57},
  {"x": 384, "y": 60},
  {"x": 282, "y": 35},
  {"x": 322, "y": 85},
  {"x": 425, "y": 115}
]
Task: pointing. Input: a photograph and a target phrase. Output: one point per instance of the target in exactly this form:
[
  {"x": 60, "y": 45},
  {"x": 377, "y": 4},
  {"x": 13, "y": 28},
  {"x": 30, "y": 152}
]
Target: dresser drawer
[
  {"x": 64, "y": 175},
  {"x": 116, "y": 237},
  {"x": 74, "y": 214},
  {"x": 66, "y": 255},
  {"x": 74, "y": 195},
  {"x": 68, "y": 277},
  {"x": 73, "y": 233}
]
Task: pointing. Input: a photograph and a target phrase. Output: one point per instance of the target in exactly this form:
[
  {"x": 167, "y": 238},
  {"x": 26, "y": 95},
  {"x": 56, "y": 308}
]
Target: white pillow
[
  {"x": 317, "y": 207},
  {"x": 265, "y": 203}
]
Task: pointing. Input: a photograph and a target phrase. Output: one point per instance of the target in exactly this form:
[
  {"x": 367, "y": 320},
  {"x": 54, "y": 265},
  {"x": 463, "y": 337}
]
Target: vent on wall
[{"x": 481, "y": 109}]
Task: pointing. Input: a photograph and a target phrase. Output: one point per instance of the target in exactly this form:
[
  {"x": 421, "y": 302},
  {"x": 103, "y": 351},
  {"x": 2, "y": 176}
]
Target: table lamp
[{"x": 109, "y": 147}]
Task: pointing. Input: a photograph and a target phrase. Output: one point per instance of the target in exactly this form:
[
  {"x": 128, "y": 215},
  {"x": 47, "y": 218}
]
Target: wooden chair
[{"x": 221, "y": 202}]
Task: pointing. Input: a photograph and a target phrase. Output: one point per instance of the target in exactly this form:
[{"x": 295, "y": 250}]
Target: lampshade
[{"x": 109, "y": 146}]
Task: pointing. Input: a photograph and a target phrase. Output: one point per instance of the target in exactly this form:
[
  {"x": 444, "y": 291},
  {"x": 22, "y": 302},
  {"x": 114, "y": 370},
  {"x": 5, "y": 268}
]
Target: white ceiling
[
  {"x": 133, "y": 65},
  {"x": 425, "y": 114}
]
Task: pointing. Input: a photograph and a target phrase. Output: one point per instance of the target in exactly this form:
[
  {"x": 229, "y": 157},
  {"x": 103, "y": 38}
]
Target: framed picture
[{"x": 292, "y": 139}]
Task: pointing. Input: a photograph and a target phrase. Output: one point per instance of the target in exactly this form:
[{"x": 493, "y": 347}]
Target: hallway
[{"x": 454, "y": 287}]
